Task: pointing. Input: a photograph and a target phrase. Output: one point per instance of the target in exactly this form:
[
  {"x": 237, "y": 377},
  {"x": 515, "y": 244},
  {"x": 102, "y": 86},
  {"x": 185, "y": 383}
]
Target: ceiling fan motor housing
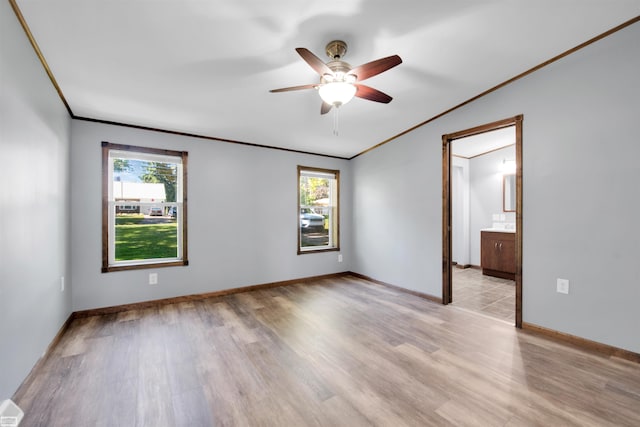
[
  {"x": 340, "y": 70},
  {"x": 335, "y": 50}
]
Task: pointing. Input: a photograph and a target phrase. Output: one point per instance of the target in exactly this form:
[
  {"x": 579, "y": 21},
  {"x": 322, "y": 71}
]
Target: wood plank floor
[{"x": 339, "y": 352}]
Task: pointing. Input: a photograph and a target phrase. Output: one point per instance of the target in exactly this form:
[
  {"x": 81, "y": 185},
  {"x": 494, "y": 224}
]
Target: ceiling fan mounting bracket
[{"x": 336, "y": 49}]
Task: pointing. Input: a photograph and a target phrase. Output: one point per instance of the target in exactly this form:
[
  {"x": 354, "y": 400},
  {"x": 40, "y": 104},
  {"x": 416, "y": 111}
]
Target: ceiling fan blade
[
  {"x": 370, "y": 69},
  {"x": 289, "y": 89},
  {"x": 315, "y": 62},
  {"x": 366, "y": 92},
  {"x": 325, "y": 108}
]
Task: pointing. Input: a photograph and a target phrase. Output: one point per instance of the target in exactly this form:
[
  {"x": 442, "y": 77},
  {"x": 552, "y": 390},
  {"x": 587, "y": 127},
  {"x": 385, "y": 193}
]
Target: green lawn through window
[{"x": 138, "y": 237}]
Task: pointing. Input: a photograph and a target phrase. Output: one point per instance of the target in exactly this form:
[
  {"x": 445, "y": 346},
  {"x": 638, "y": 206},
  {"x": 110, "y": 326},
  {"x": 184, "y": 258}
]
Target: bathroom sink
[
  {"x": 499, "y": 230},
  {"x": 502, "y": 227}
]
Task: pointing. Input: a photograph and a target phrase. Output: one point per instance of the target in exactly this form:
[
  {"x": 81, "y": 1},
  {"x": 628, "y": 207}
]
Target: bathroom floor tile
[{"x": 491, "y": 296}]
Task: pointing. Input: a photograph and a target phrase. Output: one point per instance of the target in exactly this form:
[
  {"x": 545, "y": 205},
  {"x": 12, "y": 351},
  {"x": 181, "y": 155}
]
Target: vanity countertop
[{"x": 499, "y": 230}]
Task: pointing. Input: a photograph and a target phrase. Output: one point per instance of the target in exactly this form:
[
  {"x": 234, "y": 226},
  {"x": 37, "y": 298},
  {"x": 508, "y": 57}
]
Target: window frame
[
  {"x": 107, "y": 147},
  {"x": 336, "y": 226}
]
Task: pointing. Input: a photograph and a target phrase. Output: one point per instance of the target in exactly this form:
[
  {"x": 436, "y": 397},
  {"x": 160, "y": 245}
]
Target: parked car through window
[{"x": 310, "y": 219}]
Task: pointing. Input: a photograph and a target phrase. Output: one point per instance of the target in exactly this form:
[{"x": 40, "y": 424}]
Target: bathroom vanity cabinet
[{"x": 498, "y": 254}]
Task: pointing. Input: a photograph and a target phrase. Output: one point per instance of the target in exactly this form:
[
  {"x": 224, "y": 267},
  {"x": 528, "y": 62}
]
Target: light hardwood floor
[{"x": 338, "y": 352}]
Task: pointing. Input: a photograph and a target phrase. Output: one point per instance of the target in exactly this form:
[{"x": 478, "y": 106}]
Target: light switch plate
[
  {"x": 562, "y": 286},
  {"x": 153, "y": 278}
]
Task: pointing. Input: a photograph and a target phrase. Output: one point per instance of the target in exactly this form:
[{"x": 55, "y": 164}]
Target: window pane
[
  {"x": 314, "y": 211},
  {"x": 144, "y": 181},
  {"x": 142, "y": 237},
  {"x": 144, "y": 196},
  {"x": 148, "y": 230},
  {"x": 318, "y": 209}
]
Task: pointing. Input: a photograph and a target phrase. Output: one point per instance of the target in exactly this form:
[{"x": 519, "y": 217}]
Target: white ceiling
[
  {"x": 472, "y": 146},
  {"x": 206, "y": 66}
]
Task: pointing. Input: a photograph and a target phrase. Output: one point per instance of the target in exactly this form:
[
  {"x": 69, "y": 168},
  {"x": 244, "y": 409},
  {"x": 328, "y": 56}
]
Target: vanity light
[{"x": 508, "y": 167}]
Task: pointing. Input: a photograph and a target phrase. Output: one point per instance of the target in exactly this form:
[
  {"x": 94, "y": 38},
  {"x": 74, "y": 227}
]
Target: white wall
[
  {"x": 580, "y": 195},
  {"x": 242, "y": 219},
  {"x": 34, "y": 208},
  {"x": 460, "y": 250},
  {"x": 485, "y": 181}
]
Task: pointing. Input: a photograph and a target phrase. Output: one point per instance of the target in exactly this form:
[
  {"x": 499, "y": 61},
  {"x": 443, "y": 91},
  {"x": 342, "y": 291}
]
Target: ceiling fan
[{"x": 339, "y": 82}]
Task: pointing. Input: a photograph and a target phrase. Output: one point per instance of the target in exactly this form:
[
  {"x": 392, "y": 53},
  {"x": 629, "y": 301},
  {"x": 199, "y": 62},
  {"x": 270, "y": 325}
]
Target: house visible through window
[
  {"x": 318, "y": 209},
  {"x": 144, "y": 207}
]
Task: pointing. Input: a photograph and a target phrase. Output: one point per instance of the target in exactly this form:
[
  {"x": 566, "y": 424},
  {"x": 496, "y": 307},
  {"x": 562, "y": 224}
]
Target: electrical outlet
[
  {"x": 339, "y": 257},
  {"x": 61, "y": 283},
  {"x": 153, "y": 278},
  {"x": 562, "y": 286},
  {"x": 10, "y": 413}
]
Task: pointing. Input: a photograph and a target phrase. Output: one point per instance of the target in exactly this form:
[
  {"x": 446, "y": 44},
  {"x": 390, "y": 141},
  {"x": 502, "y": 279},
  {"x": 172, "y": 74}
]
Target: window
[
  {"x": 144, "y": 208},
  {"x": 318, "y": 210}
]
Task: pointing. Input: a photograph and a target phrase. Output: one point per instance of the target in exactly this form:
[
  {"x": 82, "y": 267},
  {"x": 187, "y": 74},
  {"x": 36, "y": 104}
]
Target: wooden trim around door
[
  {"x": 515, "y": 121},
  {"x": 446, "y": 220}
]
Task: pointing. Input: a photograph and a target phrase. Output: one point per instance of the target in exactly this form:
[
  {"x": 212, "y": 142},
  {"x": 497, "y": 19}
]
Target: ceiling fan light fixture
[
  {"x": 337, "y": 93},
  {"x": 339, "y": 82}
]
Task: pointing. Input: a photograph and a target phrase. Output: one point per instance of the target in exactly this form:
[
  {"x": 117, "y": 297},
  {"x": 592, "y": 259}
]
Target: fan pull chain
[{"x": 335, "y": 121}]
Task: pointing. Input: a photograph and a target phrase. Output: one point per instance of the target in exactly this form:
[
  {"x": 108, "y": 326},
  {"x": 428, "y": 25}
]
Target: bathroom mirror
[{"x": 509, "y": 193}]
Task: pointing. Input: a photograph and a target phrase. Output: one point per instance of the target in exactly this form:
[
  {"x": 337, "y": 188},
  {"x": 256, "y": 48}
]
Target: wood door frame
[{"x": 515, "y": 121}]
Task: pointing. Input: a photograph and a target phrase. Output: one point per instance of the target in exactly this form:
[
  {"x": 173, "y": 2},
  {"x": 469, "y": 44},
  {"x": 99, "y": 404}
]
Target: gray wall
[
  {"x": 580, "y": 165},
  {"x": 242, "y": 219},
  {"x": 34, "y": 210},
  {"x": 580, "y": 195}
]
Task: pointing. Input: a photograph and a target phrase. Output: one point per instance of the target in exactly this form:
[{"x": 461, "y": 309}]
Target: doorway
[{"x": 511, "y": 223}]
